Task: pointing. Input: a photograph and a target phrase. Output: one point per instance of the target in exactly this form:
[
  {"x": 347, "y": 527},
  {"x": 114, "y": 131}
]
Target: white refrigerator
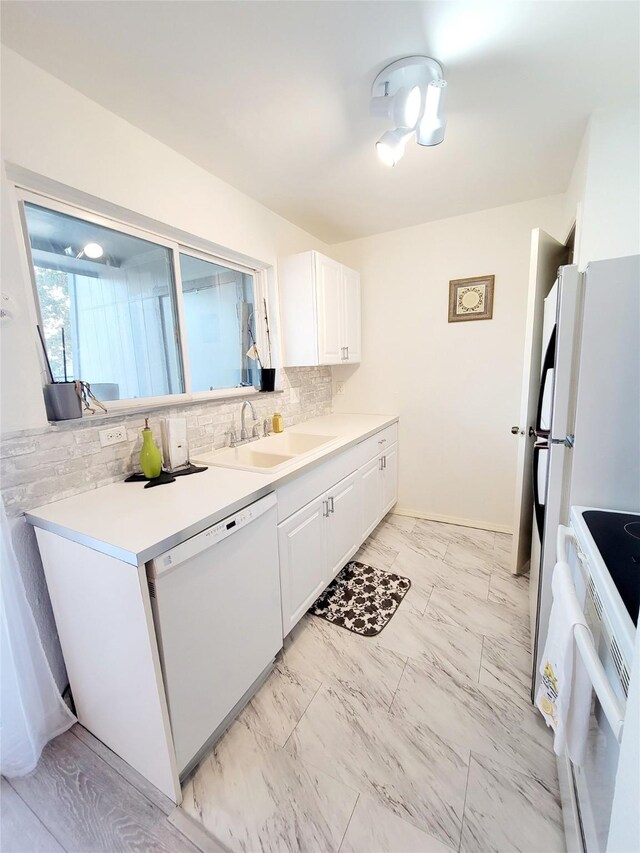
[{"x": 587, "y": 448}]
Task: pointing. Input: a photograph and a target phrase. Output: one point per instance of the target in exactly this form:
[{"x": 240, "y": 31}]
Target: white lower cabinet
[
  {"x": 343, "y": 524},
  {"x": 315, "y": 543},
  {"x": 370, "y": 491},
  {"x": 378, "y": 488},
  {"x": 389, "y": 479},
  {"x": 318, "y": 540},
  {"x": 302, "y": 547}
]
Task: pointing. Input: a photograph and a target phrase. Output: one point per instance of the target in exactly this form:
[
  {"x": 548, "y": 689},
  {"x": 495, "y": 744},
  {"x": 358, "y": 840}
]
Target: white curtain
[{"x": 31, "y": 708}]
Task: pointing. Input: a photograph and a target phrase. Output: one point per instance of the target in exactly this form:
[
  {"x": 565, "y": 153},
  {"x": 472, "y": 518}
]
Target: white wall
[
  {"x": 456, "y": 386},
  {"x": 606, "y": 185},
  {"x": 54, "y": 131},
  {"x": 51, "y": 129}
]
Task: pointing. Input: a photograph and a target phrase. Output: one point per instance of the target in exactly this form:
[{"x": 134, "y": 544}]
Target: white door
[
  {"x": 329, "y": 299},
  {"x": 301, "y": 544},
  {"x": 370, "y": 496},
  {"x": 352, "y": 334},
  {"x": 389, "y": 478},
  {"x": 547, "y": 255},
  {"x": 342, "y": 527}
]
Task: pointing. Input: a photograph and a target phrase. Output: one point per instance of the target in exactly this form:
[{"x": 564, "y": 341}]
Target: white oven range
[{"x": 609, "y": 591}]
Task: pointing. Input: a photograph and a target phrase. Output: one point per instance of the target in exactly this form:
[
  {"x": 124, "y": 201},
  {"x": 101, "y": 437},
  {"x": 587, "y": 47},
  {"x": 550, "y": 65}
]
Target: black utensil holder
[{"x": 268, "y": 379}]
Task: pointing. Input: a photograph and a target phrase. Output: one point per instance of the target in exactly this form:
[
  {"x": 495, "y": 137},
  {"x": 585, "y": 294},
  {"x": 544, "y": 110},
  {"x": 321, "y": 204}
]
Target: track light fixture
[
  {"x": 390, "y": 146},
  {"x": 410, "y": 92}
]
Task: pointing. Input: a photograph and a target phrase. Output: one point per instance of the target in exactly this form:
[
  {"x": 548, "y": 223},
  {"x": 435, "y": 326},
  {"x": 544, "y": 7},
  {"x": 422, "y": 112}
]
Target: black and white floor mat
[{"x": 361, "y": 599}]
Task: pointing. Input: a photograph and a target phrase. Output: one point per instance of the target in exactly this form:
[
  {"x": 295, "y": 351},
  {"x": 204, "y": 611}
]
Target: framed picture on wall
[{"x": 471, "y": 298}]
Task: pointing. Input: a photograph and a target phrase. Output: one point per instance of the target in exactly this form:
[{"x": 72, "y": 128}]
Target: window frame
[{"x": 258, "y": 272}]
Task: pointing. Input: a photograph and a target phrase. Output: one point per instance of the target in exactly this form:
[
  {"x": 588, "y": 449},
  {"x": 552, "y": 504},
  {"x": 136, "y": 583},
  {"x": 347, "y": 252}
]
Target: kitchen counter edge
[{"x": 177, "y": 537}]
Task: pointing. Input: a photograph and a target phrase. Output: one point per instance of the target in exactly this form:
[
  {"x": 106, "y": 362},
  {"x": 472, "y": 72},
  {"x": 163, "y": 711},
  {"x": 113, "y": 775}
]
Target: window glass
[
  {"x": 113, "y": 295},
  {"x": 220, "y": 322}
]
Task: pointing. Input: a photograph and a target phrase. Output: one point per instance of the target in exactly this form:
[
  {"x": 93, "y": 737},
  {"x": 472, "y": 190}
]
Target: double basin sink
[{"x": 270, "y": 453}]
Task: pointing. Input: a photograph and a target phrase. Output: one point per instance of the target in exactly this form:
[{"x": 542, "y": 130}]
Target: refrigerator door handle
[
  {"x": 568, "y": 440},
  {"x": 538, "y": 508},
  {"x": 548, "y": 364}
]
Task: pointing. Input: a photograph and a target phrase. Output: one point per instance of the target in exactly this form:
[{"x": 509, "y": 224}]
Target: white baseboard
[{"x": 450, "y": 519}]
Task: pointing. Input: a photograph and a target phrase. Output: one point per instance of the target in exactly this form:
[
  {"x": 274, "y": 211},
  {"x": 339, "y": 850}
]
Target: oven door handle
[{"x": 611, "y": 705}]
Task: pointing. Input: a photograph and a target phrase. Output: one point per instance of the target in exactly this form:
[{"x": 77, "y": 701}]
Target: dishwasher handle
[{"x": 211, "y": 536}]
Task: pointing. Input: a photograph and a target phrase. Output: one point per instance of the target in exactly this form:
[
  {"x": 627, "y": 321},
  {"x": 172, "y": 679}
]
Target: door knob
[{"x": 515, "y": 430}]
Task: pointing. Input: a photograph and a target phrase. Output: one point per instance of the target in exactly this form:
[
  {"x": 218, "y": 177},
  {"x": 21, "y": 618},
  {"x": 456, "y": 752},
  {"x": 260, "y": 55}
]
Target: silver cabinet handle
[
  {"x": 382, "y": 441},
  {"x": 331, "y": 505},
  {"x": 381, "y": 462},
  {"x": 384, "y": 461},
  {"x": 325, "y": 509},
  {"x": 347, "y": 349},
  {"x": 342, "y": 353}
]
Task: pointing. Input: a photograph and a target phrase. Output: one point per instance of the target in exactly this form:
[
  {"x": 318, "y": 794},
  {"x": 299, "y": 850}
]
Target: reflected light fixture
[
  {"x": 93, "y": 251},
  {"x": 410, "y": 93}
]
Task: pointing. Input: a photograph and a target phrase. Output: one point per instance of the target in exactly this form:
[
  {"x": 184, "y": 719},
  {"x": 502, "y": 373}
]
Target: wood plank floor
[{"x": 84, "y": 798}]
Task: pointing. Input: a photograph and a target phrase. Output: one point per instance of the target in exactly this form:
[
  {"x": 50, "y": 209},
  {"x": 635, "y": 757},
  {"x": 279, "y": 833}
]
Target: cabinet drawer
[
  {"x": 377, "y": 443},
  {"x": 295, "y": 494}
]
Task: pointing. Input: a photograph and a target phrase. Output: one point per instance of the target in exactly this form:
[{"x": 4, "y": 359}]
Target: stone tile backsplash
[{"x": 42, "y": 465}]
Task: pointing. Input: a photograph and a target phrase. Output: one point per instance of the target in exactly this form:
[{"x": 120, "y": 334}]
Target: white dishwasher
[{"x": 216, "y": 608}]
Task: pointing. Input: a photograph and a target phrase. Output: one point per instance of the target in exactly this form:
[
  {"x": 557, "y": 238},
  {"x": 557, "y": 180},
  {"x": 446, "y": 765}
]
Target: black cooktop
[{"x": 617, "y": 535}]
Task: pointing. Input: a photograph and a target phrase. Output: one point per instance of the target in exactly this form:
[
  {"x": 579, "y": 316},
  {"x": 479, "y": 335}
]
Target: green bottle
[{"x": 150, "y": 459}]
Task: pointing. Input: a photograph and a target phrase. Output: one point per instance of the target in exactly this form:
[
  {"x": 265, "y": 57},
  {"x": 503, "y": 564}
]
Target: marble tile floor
[{"x": 420, "y": 739}]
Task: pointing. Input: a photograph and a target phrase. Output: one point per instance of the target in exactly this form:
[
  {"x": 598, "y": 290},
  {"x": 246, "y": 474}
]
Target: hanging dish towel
[{"x": 564, "y": 695}]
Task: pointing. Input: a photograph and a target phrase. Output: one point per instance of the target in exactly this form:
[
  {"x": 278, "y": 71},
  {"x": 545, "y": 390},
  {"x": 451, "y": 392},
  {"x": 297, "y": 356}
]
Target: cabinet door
[
  {"x": 342, "y": 527},
  {"x": 329, "y": 302},
  {"x": 301, "y": 543},
  {"x": 389, "y": 478},
  {"x": 352, "y": 334},
  {"x": 370, "y": 496}
]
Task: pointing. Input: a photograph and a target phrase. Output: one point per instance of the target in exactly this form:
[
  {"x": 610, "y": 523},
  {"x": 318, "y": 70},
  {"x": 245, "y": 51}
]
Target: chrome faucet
[{"x": 244, "y": 435}]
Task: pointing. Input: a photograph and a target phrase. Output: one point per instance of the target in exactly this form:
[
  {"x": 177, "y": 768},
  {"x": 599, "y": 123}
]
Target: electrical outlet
[
  {"x": 339, "y": 389},
  {"x": 113, "y": 435}
]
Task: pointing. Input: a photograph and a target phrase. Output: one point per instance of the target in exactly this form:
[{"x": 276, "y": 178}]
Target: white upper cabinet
[
  {"x": 351, "y": 313},
  {"x": 320, "y": 311},
  {"x": 329, "y": 306}
]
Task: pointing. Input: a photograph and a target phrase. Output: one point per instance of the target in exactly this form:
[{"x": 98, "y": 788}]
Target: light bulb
[
  {"x": 403, "y": 108},
  {"x": 390, "y": 146},
  {"x": 433, "y": 124},
  {"x": 93, "y": 251},
  {"x": 409, "y": 109}
]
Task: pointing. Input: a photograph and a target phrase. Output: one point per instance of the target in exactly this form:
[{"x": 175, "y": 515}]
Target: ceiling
[{"x": 272, "y": 97}]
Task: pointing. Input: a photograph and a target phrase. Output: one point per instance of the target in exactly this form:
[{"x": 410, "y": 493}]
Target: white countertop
[{"x": 135, "y": 524}]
